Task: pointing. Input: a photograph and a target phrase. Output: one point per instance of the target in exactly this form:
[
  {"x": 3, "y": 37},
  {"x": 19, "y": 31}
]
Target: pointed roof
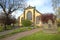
[{"x": 30, "y": 7}]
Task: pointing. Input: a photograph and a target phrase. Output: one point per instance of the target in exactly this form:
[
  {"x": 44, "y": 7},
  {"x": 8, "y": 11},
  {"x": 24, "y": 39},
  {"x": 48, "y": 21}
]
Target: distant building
[{"x": 35, "y": 16}]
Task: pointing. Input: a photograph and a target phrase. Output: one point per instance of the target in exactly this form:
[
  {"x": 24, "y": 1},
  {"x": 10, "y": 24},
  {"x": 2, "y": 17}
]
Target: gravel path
[{"x": 22, "y": 34}]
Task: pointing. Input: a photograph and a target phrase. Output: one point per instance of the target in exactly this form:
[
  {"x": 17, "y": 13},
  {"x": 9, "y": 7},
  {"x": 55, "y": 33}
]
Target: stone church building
[{"x": 35, "y": 16}]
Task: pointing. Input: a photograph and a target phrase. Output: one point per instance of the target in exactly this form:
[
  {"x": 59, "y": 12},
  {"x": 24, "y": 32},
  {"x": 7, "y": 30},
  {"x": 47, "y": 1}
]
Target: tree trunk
[{"x": 6, "y": 20}]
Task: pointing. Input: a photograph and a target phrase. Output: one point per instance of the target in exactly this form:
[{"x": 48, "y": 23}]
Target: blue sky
[{"x": 43, "y": 6}]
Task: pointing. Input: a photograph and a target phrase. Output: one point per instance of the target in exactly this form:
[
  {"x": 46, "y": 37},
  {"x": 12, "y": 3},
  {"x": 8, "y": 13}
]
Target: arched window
[
  {"x": 29, "y": 15},
  {"x": 37, "y": 19}
]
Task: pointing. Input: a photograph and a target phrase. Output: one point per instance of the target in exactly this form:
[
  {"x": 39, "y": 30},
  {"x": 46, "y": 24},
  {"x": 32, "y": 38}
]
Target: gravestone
[{"x": 50, "y": 27}]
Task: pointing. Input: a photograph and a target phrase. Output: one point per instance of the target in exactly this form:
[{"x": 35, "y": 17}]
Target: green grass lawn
[{"x": 42, "y": 36}]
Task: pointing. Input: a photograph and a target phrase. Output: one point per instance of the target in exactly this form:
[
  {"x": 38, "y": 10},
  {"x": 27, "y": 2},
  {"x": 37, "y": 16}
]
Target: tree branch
[
  {"x": 3, "y": 7},
  {"x": 10, "y": 9},
  {"x": 14, "y": 10}
]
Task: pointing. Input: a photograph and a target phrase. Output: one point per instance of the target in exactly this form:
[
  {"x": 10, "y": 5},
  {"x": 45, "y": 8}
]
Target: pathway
[{"x": 22, "y": 34}]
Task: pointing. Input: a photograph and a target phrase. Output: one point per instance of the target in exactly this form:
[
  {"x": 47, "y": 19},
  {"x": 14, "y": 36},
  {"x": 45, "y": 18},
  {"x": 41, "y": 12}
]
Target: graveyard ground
[{"x": 42, "y": 36}]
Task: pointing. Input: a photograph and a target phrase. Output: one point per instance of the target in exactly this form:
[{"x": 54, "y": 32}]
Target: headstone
[{"x": 50, "y": 27}]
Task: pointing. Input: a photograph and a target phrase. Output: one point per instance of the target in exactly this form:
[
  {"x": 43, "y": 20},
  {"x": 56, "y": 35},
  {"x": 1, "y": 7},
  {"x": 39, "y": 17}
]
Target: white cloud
[
  {"x": 43, "y": 6},
  {"x": 36, "y": 2}
]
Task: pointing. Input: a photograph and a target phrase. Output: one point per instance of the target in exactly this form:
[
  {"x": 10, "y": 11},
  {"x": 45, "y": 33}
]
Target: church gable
[{"x": 31, "y": 14}]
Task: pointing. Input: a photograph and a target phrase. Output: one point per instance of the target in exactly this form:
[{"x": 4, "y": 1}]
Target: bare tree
[
  {"x": 56, "y": 5},
  {"x": 9, "y": 6}
]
